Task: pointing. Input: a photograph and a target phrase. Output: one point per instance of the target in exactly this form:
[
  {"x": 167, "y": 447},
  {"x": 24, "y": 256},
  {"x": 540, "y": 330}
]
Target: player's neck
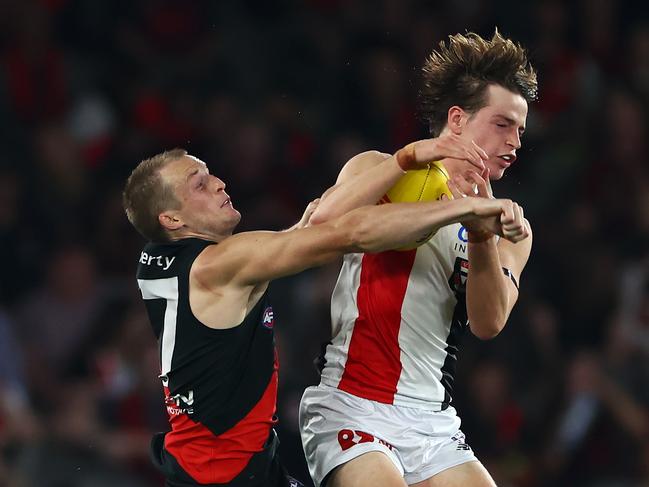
[
  {"x": 457, "y": 166},
  {"x": 186, "y": 233}
]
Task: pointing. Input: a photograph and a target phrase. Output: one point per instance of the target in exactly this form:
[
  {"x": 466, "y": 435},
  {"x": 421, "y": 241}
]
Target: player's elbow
[
  {"x": 318, "y": 217},
  {"x": 360, "y": 231},
  {"x": 361, "y": 239},
  {"x": 326, "y": 210},
  {"x": 487, "y": 329}
]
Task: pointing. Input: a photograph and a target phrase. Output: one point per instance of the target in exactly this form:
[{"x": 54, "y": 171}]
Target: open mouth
[
  {"x": 226, "y": 203},
  {"x": 508, "y": 158}
]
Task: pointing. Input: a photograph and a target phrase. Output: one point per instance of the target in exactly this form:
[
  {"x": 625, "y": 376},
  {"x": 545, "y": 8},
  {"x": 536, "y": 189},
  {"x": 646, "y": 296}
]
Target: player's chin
[
  {"x": 236, "y": 216},
  {"x": 231, "y": 211},
  {"x": 496, "y": 172},
  {"x": 233, "y": 221}
]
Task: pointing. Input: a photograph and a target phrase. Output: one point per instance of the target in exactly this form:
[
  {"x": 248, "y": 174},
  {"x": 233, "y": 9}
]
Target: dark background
[{"x": 275, "y": 96}]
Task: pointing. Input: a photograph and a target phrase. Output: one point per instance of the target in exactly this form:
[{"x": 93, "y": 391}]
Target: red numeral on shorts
[
  {"x": 365, "y": 437},
  {"x": 349, "y": 438},
  {"x": 346, "y": 439}
]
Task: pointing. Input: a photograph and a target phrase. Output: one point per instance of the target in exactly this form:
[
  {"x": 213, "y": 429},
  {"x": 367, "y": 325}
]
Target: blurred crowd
[{"x": 275, "y": 97}]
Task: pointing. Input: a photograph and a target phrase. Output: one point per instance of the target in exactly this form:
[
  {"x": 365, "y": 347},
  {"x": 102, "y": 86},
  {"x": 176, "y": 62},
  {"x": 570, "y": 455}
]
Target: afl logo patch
[{"x": 268, "y": 319}]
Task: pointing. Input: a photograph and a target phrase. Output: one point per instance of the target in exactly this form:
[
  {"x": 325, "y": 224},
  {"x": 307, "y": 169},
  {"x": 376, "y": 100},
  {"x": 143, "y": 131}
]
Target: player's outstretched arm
[
  {"x": 251, "y": 258},
  {"x": 366, "y": 177}
]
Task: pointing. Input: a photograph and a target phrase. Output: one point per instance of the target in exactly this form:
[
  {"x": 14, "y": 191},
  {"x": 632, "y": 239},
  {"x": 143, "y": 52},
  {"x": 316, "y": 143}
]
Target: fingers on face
[
  {"x": 468, "y": 155},
  {"x": 480, "y": 151},
  {"x": 478, "y": 161}
]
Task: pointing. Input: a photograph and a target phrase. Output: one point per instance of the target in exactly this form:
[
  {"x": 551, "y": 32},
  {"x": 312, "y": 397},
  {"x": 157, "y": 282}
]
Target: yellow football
[{"x": 427, "y": 184}]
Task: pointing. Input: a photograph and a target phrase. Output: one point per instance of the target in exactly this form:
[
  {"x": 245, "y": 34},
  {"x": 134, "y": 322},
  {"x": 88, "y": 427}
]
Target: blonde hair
[
  {"x": 460, "y": 71},
  {"x": 146, "y": 195}
]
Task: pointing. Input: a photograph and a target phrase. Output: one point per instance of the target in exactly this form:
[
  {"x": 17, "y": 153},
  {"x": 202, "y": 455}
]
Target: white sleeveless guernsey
[{"x": 397, "y": 318}]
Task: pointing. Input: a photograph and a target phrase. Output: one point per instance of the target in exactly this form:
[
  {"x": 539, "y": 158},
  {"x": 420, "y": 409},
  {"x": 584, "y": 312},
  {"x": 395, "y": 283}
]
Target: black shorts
[{"x": 263, "y": 470}]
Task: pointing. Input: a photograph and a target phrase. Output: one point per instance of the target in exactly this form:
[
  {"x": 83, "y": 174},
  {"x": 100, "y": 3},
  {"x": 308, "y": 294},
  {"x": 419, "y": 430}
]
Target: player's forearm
[
  {"x": 365, "y": 188},
  {"x": 390, "y": 226},
  {"x": 488, "y": 297}
]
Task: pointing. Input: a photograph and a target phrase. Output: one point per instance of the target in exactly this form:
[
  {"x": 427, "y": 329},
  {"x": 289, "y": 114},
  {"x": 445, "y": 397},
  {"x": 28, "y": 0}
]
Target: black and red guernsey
[{"x": 220, "y": 386}]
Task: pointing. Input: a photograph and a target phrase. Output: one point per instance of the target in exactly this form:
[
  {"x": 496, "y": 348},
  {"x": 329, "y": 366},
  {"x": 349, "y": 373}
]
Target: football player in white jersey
[
  {"x": 381, "y": 415},
  {"x": 201, "y": 282}
]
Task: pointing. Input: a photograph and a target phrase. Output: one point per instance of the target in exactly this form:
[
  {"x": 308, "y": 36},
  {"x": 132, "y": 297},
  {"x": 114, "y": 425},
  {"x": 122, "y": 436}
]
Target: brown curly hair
[{"x": 460, "y": 71}]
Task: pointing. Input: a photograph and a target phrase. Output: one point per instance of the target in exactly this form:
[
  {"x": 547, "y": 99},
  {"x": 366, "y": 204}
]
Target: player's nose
[
  {"x": 220, "y": 185},
  {"x": 514, "y": 141}
]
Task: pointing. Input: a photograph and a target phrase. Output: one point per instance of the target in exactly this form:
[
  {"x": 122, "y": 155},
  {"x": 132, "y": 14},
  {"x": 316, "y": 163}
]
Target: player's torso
[
  {"x": 396, "y": 321},
  {"x": 216, "y": 381}
]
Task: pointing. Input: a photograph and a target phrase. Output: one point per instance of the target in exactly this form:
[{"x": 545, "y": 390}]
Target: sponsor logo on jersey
[
  {"x": 180, "y": 404},
  {"x": 268, "y": 319},
  {"x": 159, "y": 260},
  {"x": 348, "y": 438},
  {"x": 463, "y": 235}
]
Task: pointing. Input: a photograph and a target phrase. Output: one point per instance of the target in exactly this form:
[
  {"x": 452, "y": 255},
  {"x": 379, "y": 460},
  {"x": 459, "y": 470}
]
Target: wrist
[
  {"x": 479, "y": 236},
  {"x": 406, "y": 158}
]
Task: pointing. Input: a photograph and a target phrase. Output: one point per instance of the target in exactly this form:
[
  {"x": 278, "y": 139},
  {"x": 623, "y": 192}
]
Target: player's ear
[
  {"x": 455, "y": 119},
  {"x": 170, "y": 220}
]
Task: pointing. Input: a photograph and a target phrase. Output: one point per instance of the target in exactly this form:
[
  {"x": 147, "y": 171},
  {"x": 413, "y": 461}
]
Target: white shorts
[{"x": 337, "y": 427}]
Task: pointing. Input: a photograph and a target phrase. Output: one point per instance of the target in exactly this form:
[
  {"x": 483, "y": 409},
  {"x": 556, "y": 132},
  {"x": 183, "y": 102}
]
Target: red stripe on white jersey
[
  {"x": 373, "y": 362},
  {"x": 210, "y": 459}
]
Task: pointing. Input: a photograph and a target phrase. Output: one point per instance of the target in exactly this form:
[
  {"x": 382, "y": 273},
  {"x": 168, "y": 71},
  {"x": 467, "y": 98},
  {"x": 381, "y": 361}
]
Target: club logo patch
[{"x": 457, "y": 281}]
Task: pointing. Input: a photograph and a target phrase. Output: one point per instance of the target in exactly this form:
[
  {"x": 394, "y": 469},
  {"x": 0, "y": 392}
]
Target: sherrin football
[{"x": 427, "y": 184}]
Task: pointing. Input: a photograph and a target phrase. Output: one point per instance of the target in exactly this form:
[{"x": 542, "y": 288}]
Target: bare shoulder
[
  {"x": 217, "y": 265},
  {"x": 217, "y": 298},
  {"x": 361, "y": 162}
]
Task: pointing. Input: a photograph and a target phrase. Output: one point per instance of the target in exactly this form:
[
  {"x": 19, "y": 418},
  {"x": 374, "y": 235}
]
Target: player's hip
[{"x": 337, "y": 427}]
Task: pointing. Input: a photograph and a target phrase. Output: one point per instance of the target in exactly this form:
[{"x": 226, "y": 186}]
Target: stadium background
[{"x": 276, "y": 96}]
